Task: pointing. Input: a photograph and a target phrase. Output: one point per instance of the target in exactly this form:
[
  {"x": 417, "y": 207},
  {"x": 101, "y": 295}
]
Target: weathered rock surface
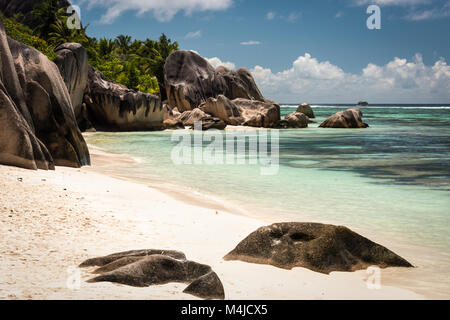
[
  {"x": 190, "y": 80},
  {"x": 239, "y": 84},
  {"x": 39, "y": 129},
  {"x": 114, "y": 107},
  {"x": 173, "y": 124},
  {"x": 258, "y": 113},
  {"x": 351, "y": 118},
  {"x": 307, "y": 110},
  {"x": 208, "y": 286},
  {"x": 102, "y": 261},
  {"x": 224, "y": 109},
  {"x": 190, "y": 117},
  {"x": 318, "y": 247},
  {"x": 144, "y": 268},
  {"x": 73, "y": 64},
  {"x": 297, "y": 120}
]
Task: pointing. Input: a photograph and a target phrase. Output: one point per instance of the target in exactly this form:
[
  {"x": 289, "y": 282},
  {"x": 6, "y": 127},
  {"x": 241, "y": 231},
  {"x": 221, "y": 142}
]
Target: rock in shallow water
[
  {"x": 307, "y": 110},
  {"x": 318, "y": 247},
  {"x": 351, "y": 118},
  {"x": 142, "y": 268}
]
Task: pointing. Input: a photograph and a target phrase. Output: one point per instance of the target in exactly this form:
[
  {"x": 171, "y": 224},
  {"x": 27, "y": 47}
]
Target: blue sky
[{"x": 317, "y": 51}]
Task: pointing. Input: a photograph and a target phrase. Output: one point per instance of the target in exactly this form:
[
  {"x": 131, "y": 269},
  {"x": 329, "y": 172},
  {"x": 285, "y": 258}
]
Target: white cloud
[
  {"x": 339, "y": 14},
  {"x": 163, "y": 10},
  {"x": 270, "y": 15},
  {"x": 391, "y": 2},
  {"x": 216, "y": 62},
  {"x": 433, "y": 13},
  {"x": 294, "y": 16},
  {"x": 251, "y": 43},
  {"x": 399, "y": 80},
  {"x": 193, "y": 35}
]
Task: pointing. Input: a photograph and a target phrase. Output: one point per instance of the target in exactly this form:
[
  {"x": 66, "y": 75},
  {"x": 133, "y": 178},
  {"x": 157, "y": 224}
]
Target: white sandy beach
[{"x": 54, "y": 220}]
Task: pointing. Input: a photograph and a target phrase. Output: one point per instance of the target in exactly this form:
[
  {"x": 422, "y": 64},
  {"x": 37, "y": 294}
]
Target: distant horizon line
[{"x": 370, "y": 104}]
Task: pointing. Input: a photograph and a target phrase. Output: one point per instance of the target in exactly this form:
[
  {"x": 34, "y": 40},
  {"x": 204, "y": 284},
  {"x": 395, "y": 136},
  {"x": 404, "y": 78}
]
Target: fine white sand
[{"x": 51, "y": 221}]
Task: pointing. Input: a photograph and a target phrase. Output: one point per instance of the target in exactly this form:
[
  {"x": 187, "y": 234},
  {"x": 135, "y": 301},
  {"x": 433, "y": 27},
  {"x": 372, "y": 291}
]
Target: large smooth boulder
[
  {"x": 351, "y": 118},
  {"x": 73, "y": 64},
  {"x": 39, "y": 129},
  {"x": 306, "y": 109},
  {"x": 318, "y": 247},
  {"x": 258, "y": 113},
  {"x": 297, "y": 120},
  {"x": 143, "y": 268},
  {"x": 114, "y": 107},
  {"x": 239, "y": 84},
  {"x": 190, "y": 80},
  {"x": 224, "y": 109}
]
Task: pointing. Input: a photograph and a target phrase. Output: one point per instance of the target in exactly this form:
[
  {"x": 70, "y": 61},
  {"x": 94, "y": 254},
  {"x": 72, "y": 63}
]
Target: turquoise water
[{"x": 392, "y": 178}]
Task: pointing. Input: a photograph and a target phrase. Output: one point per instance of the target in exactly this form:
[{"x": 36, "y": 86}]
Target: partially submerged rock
[
  {"x": 297, "y": 120},
  {"x": 351, "y": 118},
  {"x": 307, "y": 110},
  {"x": 258, "y": 113},
  {"x": 143, "y": 268},
  {"x": 318, "y": 247}
]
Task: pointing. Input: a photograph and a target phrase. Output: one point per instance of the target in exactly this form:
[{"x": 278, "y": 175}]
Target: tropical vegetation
[{"x": 137, "y": 64}]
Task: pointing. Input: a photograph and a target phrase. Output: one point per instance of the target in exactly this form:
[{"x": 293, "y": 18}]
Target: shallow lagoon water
[{"x": 392, "y": 178}]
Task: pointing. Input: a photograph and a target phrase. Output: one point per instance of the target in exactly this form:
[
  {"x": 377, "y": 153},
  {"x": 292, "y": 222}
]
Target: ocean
[{"x": 390, "y": 181}]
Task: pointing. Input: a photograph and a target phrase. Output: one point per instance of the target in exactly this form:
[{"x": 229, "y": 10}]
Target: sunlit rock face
[
  {"x": 38, "y": 124},
  {"x": 72, "y": 61},
  {"x": 190, "y": 80},
  {"x": 114, "y": 107},
  {"x": 351, "y": 118},
  {"x": 318, "y": 247}
]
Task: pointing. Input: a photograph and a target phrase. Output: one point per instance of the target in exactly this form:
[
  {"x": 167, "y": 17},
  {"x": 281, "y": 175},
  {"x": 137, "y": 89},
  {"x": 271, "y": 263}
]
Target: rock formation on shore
[
  {"x": 232, "y": 96},
  {"x": 318, "y": 247},
  {"x": 351, "y": 118},
  {"x": 114, "y": 107},
  {"x": 39, "y": 129},
  {"x": 143, "y": 268},
  {"x": 72, "y": 61}
]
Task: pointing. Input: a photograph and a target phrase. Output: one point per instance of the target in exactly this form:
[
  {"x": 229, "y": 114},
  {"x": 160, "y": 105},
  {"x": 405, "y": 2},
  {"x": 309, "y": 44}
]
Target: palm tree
[
  {"x": 106, "y": 46},
  {"x": 46, "y": 13},
  {"x": 124, "y": 43},
  {"x": 61, "y": 33}
]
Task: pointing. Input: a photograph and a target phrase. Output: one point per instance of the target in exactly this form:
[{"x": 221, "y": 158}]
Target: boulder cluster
[
  {"x": 39, "y": 128},
  {"x": 143, "y": 268}
]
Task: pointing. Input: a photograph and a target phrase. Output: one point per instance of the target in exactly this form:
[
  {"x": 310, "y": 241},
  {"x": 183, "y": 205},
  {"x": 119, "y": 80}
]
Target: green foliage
[
  {"x": 139, "y": 65},
  {"x": 46, "y": 14},
  {"x": 24, "y": 34}
]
